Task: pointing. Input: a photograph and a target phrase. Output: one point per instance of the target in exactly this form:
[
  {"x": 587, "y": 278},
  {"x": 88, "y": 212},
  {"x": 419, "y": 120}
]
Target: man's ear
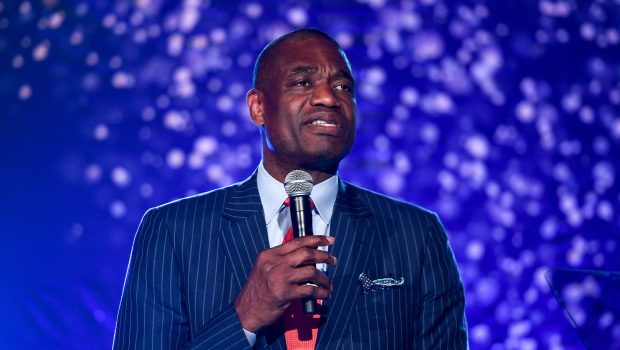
[{"x": 254, "y": 100}]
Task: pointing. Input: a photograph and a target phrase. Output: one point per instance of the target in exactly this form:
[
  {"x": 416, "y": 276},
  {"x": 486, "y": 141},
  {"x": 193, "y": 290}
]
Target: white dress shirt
[{"x": 272, "y": 196}]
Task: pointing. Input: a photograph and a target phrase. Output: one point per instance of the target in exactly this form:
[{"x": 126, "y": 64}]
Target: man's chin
[{"x": 325, "y": 162}]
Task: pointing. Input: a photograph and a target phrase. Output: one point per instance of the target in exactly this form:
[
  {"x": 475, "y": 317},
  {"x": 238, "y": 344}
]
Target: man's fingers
[
  {"x": 304, "y": 256},
  {"x": 312, "y": 292},
  {"x": 306, "y": 241},
  {"x": 311, "y": 275}
]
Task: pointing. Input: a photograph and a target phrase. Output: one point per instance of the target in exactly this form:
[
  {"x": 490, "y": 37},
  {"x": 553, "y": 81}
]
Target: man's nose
[{"x": 323, "y": 95}]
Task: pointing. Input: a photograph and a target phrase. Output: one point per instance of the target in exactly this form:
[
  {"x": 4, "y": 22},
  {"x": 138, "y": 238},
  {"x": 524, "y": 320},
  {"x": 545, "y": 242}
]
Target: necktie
[{"x": 300, "y": 330}]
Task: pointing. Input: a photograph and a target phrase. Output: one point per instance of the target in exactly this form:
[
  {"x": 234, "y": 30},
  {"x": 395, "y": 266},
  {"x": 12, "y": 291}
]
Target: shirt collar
[{"x": 272, "y": 195}]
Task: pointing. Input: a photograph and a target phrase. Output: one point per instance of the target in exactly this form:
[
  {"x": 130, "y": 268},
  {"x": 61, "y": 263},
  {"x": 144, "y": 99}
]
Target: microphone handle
[{"x": 301, "y": 220}]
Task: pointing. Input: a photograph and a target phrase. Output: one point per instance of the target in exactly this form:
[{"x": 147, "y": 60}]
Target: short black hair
[{"x": 268, "y": 53}]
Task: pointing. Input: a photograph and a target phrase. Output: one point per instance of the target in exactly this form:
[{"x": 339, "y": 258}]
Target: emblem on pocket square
[{"x": 369, "y": 285}]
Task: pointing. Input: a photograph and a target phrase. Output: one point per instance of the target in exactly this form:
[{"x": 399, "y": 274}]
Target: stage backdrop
[{"x": 502, "y": 116}]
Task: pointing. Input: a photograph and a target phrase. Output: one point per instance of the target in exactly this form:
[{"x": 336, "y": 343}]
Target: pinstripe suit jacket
[{"x": 191, "y": 257}]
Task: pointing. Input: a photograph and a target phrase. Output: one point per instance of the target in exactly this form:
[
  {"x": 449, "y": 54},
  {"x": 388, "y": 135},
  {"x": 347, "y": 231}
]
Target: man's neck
[{"x": 279, "y": 171}]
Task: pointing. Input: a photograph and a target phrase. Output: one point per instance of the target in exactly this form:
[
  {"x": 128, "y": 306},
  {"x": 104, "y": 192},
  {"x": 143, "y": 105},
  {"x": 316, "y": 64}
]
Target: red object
[{"x": 300, "y": 329}]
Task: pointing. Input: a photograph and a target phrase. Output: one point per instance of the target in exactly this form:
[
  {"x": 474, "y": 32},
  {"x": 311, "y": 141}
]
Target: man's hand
[{"x": 274, "y": 280}]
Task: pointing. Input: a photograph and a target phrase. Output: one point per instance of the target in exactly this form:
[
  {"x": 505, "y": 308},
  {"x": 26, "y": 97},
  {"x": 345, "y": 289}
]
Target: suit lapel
[
  {"x": 244, "y": 238},
  {"x": 354, "y": 238},
  {"x": 246, "y": 235}
]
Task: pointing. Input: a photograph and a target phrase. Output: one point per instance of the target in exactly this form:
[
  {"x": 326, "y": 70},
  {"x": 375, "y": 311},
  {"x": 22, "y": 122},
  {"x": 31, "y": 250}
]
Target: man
[{"x": 212, "y": 272}]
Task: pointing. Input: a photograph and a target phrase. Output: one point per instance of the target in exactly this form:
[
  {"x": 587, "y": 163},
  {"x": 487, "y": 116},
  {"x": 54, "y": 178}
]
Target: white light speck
[
  {"x": 480, "y": 333},
  {"x": 427, "y": 46},
  {"x": 93, "y": 173},
  {"x": 605, "y": 210},
  {"x": 586, "y": 114},
  {"x": 394, "y": 128},
  {"x": 40, "y": 52},
  {"x": 225, "y": 104},
  {"x": 297, "y": 16},
  {"x": 571, "y": 101},
  {"x": 437, "y": 103},
  {"x": 176, "y": 120},
  {"x": 381, "y": 143},
  {"x": 196, "y": 160},
  {"x": 429, "y": 132},
  {"x": 175, "y": 44},
  {"x": 409, "y": 96},
  {"x": 549, "y": 228},
  {"x": 188, "y": 18},
  {"x": 344, "y": 39},
  {"x": 375, "y": 75},
  {"x": 477, "y": 146},
  {"x": 205, "y": 145},
  {"x": 122, "y": 80},
  {"x": 121, "y": 177},
  {"x": 18, "y": 61},
  {"x": 587, "y": 31},
  {"x": 525, "y": 112},
  {"x": 175, "y": 158},
  {"x": 215, "y": 173},
  {"x": 391, "y": 182},
  {"x": 77, "y": 37},
  {"x": 101, "y": 132},
  {"x": 56, "y": 19},
  {"x": 375, "y": 3},
  {"x": 92, "y": 59},
  {"x": 229, "y": 128},
  {"x": 253, "y": 10},
  {"x": 118, "y": 209},
  {"x": 446, "y": 180},
  {"x": 24, "y": 92},
  {"x": 218, "y": 36},
  {"x": 109, "y": 20},
  {"x": 402, "y": 163},
  {"x": 25, "y": 8},
  {"x": 236, "y": 89},
  {"x": 615, "y": 128}
]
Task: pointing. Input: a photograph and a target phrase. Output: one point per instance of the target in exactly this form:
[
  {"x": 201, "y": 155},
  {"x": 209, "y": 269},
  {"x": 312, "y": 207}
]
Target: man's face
[{"x": 308, "y": 106}]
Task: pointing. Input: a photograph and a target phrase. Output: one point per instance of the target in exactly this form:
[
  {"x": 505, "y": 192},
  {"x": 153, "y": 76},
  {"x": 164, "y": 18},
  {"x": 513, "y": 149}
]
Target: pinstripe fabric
[{"x": 191, "y": 257}]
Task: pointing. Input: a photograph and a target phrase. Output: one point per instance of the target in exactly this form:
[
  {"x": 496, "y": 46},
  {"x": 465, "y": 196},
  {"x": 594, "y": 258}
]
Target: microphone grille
[{"x": 298, "y": 183}]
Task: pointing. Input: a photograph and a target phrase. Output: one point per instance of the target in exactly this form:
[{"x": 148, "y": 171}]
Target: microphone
[{"x": 298, "y": 185}]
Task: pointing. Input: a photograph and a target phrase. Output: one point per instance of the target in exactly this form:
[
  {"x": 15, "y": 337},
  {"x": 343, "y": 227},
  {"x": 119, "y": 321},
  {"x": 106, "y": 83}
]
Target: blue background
[{"x": 502, "y": 116}]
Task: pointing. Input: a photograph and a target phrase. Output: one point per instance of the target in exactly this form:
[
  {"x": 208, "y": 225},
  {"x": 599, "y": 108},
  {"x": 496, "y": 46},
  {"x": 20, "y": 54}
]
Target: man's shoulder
[
  {"x": 213, "y": 200},
  {"x": 380, "y": 203}
]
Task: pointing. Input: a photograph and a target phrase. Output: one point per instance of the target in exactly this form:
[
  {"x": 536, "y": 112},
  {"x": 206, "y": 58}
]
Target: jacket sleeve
[
  {"x": 152, "y": 311},
  {"x": 442, "y": 301}
]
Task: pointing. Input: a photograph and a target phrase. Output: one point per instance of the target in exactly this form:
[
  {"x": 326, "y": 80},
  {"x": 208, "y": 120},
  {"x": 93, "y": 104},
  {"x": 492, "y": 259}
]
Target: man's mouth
[{"x": 324, "y": 123}]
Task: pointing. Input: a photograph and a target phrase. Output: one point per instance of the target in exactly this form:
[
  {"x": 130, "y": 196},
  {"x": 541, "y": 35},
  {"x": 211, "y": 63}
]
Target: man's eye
[
  {"x": 343, "y": 87},
  {"x": 302, "y": 83}
]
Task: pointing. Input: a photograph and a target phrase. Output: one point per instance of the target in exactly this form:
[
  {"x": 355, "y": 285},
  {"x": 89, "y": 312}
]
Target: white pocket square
[{"x": 370, "y": 285}]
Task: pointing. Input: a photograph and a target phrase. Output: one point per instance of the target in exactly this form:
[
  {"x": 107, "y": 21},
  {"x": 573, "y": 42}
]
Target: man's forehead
[
  {"x": 340, "y": 72},
  {"x": 308, "y": 54}
]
